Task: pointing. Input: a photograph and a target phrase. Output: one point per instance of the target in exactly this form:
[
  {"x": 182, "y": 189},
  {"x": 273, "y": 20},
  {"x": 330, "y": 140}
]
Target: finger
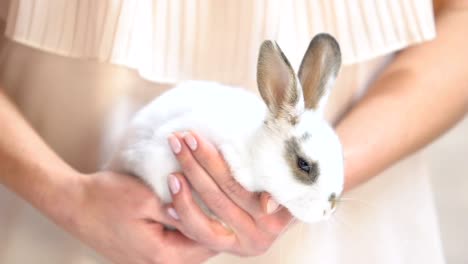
[
  {"x": 180, "y": 243},
  {"x": 193, "y": 222},
  {"x": 262, "y": 207},
  {"x": 171, "y": 246},
  {"x": 213, "y": 162},
  {"x": 263, "y": 220},
  {"x": 268, "y": 204},
  {"x": 210, "y": 193},
  {"x": 276, "y": 217},
  {"x": 250, "y": 235}
]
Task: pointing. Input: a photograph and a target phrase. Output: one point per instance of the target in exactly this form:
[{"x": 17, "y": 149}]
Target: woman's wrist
[
  {"x": 59, "y": 196},
  {"x": 66, "y": 202},
  {"x": 29, "y": 168}
]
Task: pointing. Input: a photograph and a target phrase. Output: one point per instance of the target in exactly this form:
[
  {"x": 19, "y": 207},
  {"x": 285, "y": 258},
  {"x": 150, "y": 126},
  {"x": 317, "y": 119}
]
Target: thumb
[{"x": 268, "y": 204}]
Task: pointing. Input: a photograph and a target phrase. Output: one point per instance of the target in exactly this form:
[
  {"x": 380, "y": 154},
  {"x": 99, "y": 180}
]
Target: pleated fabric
[{"x": 168, "y": 41}]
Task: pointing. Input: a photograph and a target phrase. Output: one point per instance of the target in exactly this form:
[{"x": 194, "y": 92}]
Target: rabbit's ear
[
  {"x": 319, "y": 69},
  {"x": 277, "y": 81}
]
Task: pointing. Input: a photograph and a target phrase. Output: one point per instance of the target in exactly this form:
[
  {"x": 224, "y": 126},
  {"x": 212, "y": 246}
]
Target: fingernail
[
  {"x": 174, "y": 184},
  {"x": 272, "y": 205},
  {"x": 171, "y": 211},
  {"x": 175, "y": 144},
  {"x": 191, "y": 142}
]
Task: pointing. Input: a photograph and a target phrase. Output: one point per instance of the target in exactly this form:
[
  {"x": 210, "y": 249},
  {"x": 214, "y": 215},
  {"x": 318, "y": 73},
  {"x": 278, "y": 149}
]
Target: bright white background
[{"x": 448, "y": 158}]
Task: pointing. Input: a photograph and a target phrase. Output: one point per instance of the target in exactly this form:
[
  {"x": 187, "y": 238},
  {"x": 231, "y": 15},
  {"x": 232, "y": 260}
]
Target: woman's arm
[
  {"x": 29, "y": 168},
  {"x": 115, "y": 214},
  {"x": 421, "y": 94}
]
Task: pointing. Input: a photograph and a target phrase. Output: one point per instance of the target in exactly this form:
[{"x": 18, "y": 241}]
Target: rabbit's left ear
[
  {"x": 319, "y": 69},
  {"x": 277, "y": 82}
]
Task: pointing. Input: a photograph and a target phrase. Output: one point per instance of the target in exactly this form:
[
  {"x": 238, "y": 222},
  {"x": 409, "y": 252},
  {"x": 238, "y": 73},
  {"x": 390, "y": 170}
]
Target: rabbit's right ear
[
  {"x": 319, "y": 69},
  {"x": 277, "y": 82}
]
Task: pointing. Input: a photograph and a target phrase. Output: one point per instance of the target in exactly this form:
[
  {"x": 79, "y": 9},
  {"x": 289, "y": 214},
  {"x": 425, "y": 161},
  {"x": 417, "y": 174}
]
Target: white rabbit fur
[{"x": 251, "y": 133}]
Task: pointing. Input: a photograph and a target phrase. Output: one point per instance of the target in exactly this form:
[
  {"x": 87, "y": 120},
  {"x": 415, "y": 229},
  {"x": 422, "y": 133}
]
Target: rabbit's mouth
[{"x": 316, "y": 211}]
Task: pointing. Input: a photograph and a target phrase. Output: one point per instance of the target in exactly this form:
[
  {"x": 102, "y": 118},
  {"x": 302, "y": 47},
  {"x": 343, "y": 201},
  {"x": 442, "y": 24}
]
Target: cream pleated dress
[{"x": 74, "y": 67}]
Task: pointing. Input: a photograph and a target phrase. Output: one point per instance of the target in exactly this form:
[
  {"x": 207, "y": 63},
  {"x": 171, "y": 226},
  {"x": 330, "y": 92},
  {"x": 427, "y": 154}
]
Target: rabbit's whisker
[{"x": 357, "y": 201}]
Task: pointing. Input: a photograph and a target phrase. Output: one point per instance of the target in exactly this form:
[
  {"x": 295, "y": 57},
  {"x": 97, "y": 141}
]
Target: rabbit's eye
[{"x": 303, "y": 165}]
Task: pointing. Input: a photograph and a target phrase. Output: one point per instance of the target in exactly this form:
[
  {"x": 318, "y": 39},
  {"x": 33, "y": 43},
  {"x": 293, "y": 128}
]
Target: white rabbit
[{"x": 281, "y": 145}]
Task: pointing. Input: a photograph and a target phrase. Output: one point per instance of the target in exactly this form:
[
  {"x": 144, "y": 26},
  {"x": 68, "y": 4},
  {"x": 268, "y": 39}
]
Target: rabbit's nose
[{"x": 333, "y": 200}]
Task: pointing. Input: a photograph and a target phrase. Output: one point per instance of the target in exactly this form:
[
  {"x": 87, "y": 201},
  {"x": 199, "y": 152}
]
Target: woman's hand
[
  {"x": 253, "y": 220},
  {"x": 115, "y": 214},
  {"x": 123, "y": 220}
]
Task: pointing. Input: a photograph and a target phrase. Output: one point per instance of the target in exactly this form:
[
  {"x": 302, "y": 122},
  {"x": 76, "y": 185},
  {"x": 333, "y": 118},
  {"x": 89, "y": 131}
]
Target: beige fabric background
[{"x": 216, "y": 40}]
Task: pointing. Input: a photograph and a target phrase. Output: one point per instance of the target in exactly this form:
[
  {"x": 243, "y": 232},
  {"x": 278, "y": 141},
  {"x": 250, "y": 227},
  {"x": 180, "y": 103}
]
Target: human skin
[
  {"x": 421, "y": 94},
  {"x": 115, "y": 214}
]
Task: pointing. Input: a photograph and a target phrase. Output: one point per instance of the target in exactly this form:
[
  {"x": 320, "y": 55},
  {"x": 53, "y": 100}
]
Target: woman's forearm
[
  {"x": 29, "y": 167},
  {"x": 100, "y": 209},
  {"x": 421, "y": 94}
]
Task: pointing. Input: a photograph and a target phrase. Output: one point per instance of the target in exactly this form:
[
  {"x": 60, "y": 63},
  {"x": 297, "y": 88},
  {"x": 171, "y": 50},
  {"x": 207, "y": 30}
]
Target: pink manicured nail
[
  {"x": 175, "y": 144},
  {"x": 191, "y": 142},
  {"x": 174, "y": 184},
  {"x": 171, "y": 211},
  {"x": 272, "y": 205}
]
